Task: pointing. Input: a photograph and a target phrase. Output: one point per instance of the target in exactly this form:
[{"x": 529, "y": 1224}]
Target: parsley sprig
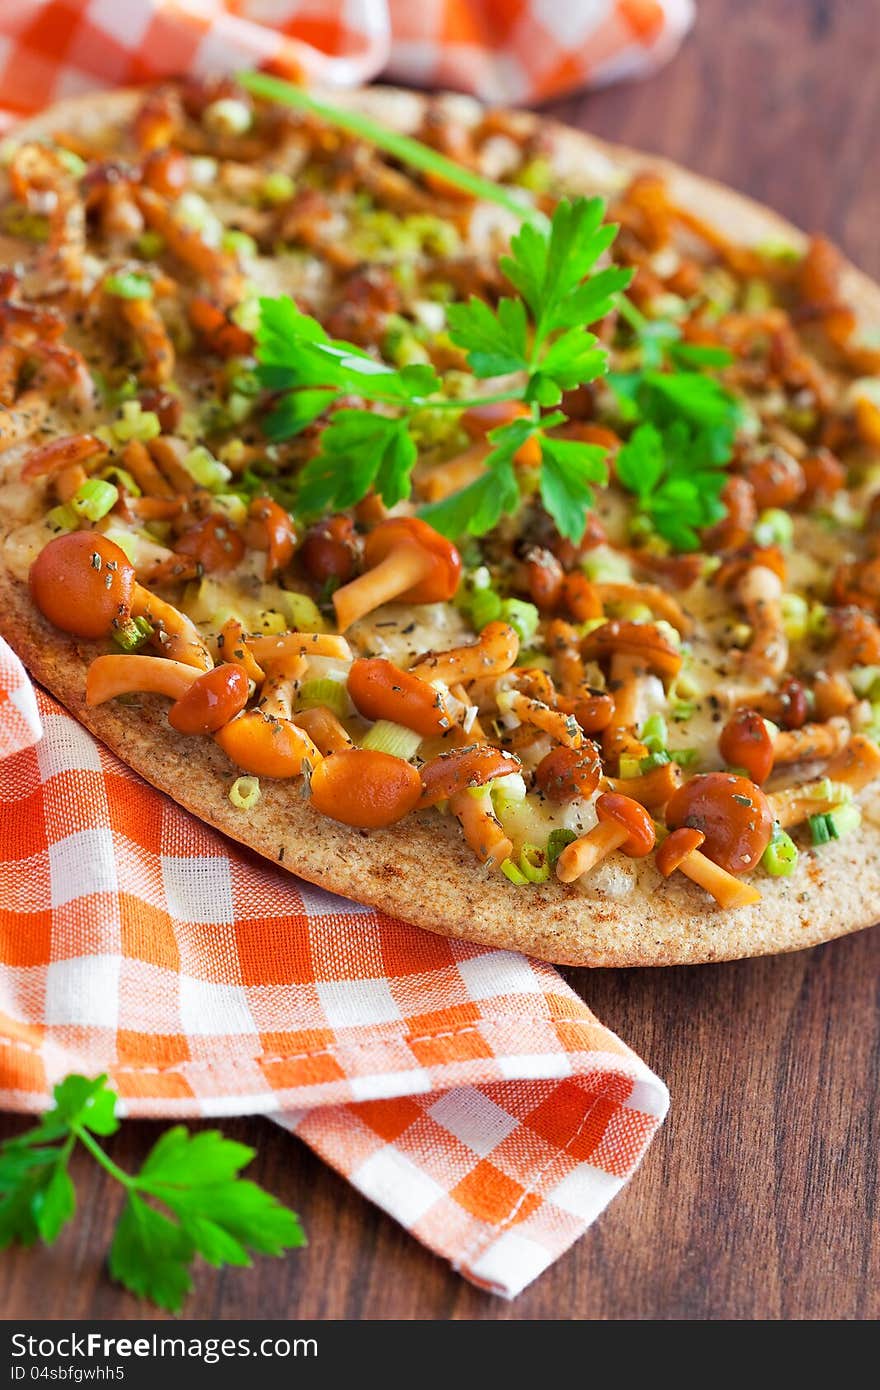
[
  {"x": 685, "y": 422},
  {"x": 208, "y": 1209},
  {"x": 535, "y": 341}
]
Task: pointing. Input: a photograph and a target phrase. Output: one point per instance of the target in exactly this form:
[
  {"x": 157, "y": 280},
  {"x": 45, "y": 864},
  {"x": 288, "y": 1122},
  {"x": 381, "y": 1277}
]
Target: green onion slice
[{"x": 388, "y": 737}]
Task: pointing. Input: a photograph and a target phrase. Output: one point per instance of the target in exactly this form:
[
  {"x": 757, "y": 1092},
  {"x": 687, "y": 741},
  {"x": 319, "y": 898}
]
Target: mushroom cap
[
  {"x": 745, "y": 742},
  {"x": 266, "y": 746},
  {"x": 211, "y": 701},
  {"x": 613, "y": 806},
  {"x": 676, "y": 848},
  {"x": 644, "y": 641},
  {"x": 733, "y": 814},
  {"x": 441, "y": 580},
  {"x": 83, "y": 583}
]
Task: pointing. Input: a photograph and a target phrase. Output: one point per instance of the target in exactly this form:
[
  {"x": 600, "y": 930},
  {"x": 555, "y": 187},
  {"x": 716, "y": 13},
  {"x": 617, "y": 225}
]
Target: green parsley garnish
[
  {"x": 539, "y": 337},
  {"x": 208, "y": 1209},
  {"x": 677, "y": 474}
]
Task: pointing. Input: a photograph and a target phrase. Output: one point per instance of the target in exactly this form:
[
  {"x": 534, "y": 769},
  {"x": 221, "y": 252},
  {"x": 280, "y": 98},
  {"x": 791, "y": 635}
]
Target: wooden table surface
[{"x": 759, "y": 1198}]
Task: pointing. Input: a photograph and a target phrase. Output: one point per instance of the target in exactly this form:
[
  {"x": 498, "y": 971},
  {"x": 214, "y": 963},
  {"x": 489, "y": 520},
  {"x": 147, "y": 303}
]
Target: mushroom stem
[
  {"x": 564, "y": 728},
  {"x": 493, "y": 653},
  {"x": 653, "y": 789},
  {"x": 724, "y": 888},
  {"x": 402, "y": 569},
  {"x": 109, "y": 676},
  {"x": 176, "y": 635},
  {"x": 324, "y": 729},
  {"x": 582, "y": 856},
  {"x": 760, "y": 593},
  {"x": 281, "y": 686},
  {"x": 482, "y": 829},
  {"x": 811, "y": 741},
  {"x": 266, "y": 649}
]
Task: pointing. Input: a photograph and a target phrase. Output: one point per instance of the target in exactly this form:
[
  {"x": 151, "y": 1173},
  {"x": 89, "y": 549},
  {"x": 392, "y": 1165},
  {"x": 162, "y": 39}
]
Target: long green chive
[{"x": 402, "y": 147}]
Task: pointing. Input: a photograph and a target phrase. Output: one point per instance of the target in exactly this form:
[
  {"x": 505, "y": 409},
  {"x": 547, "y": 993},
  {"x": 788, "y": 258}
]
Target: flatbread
[{"x": 420, "y": 870}]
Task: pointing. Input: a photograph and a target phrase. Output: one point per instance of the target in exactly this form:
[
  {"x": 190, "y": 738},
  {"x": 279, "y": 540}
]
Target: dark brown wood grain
[{"x": 759, "y": 1199}]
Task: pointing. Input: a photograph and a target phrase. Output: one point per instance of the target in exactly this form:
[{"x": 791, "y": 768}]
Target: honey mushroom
[
  {"x": 265, "y": 741},
  {"x": 681, "y": 851},
  {"x": 381, "y": 690},
  {"x": 483, "y": 831},
  {"x": 759, "y": 592},
  {"x": 271, "y": 528},
  {"x": 405, "y": 559},
  {"x": 364, "y": 788},
  {"x": 636, "y": 651},
  {"x": 493, "y": 653},
  {"x": 733, "y": 814},
  {"x": 853, "y": 768},
  {"x": 623, "y": 824},
  {"x": 324, "y": 729},
  {"x": 203, "y": 701},
  {"x": 460, "y": 769}
]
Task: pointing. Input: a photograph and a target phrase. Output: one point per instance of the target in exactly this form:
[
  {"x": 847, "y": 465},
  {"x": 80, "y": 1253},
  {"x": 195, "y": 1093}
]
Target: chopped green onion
[
  {"x": 509, "y": 870},
  {"x": 133, "y": 634},
  {"x": 511, "y": 787},
  {"x": 245, "y": 793},
  {"x": 654, "y": 734},
  {"x": 129, "y": 285},
  {"x": 94, "y": 499},
  {"x": 605, "y": 566},
  {"x": 795, "y": 617},
  {"x": 227, "y": 116},
  {"x": 533, "y": 862},
  {"x": 302, "y": 612},
  {"x": 63, "y": 518},
  {"x": 834, "y": 824},
  {"x": 682, "y": 710},
  {"x": 685, "y": 757},
  {"x": 388, "y": 737},
  {"x": 777, "y": 250},
  {"x": 630, "y": 766},
  {"x": 277, "y": 187},
  {"x": 522, "y": 617},
  {"x": 536, "y": 175},
  {"x": 136, "y": 423},
  {"x": 123, "y": 478},
  {"x": 71, "y": 162},
  {"x": 232, "y": 506},
  {"x": 865, "y": 681},
  {"x": 781, "y": 855},
  {"x": 654, "y": 760},
  {"x": 324, "y": 693},
  {"x": 205, "y": 470},
  {"x": 485, "y": 607},
  {"x": 17, "y": 220},
  {"x": 774, "y": 527},
  {"x": 239, "y": 243},
  {"x": 557, "y": 843},
  {"x": 532, "y": 657},
  {"x": 635, "y": 612},
  {"x": 818, "y": 623},
  {"x": 149, "y": 245}
]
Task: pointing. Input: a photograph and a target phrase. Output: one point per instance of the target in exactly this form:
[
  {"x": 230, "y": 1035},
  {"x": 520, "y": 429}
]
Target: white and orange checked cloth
[
  {"x": 501, "y": 50},
  {"x": 468, "y": 1092}
]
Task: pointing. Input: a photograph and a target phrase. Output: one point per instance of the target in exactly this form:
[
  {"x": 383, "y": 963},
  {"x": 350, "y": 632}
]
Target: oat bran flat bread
[{"x": 421, "y": 868}]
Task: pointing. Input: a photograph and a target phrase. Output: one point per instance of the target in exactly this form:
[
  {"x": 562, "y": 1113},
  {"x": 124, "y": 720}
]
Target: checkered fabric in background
[{"x": 468, "y": 1092}]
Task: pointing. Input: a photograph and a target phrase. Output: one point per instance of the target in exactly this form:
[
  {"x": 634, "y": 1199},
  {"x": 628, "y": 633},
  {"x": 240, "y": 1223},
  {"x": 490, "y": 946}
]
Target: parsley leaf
[
  {"x": 538, "y": 338},
  {"x": 359, "y": 451},
  {"x": 213, "y": 1211},
  {"x": 567, "y": 469},
  {"x": 496, "y": 340},
  {"x": 677, "y": 475}
]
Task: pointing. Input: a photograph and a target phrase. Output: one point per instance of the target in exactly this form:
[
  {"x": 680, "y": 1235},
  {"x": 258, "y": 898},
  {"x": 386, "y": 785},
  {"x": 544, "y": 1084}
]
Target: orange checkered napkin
[
  {"x": 468, "y": 1092},
  {"x": 502, "y": 50}
]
